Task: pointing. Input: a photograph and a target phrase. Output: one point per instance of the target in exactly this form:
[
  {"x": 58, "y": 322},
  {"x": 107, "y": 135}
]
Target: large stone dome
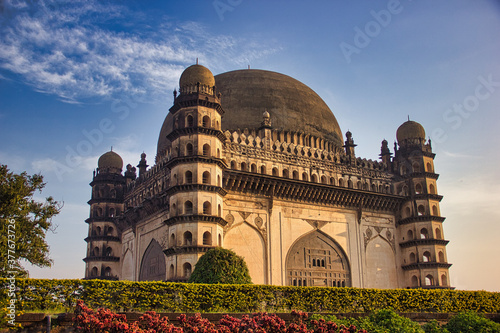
[
  {"x": 247, "y": 94},
  {"x": 293, "y": 106}
]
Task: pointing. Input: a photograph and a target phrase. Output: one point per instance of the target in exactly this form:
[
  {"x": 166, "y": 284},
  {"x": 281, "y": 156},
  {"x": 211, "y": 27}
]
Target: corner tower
[
  {"x": 194, "y": 159},
  {"x": 424, "y": 259},
  {"x": 103, "y": 241}
]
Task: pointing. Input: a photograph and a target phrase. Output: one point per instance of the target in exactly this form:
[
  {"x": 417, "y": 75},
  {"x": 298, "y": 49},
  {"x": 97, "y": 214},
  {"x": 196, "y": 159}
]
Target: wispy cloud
[{"x": 65, "y": 49}]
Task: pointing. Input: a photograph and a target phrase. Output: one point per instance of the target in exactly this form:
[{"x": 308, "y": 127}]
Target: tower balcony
[
  {"x": 107, "y": 238},
  {"x": 426, "y": 265},
  {"x": 421, "y": 218},
  {"x": 425, "y": 241},
  {"x": 101, "y": 258}
]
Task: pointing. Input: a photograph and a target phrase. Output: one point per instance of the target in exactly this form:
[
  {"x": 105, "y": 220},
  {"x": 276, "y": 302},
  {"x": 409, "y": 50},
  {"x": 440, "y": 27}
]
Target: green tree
[
  {"x": 24, "y": 222},
  {"x": 220, "y": 265}
]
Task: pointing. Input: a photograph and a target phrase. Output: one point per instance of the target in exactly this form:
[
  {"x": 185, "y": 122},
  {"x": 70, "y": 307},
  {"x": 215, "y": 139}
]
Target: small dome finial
[{"x": 197, "y": 61}]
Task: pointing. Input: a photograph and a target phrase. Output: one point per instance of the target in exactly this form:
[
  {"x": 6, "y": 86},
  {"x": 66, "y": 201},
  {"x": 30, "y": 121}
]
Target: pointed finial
[
  {"x": 197, "y": 61},
  {"x": 408, "y": 117},
  {"x": 248, "y": 66},
  {"x": 111, "y": 148}
]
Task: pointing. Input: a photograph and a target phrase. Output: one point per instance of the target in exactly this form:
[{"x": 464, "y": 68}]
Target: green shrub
[
  {"x": 380, "y": 321},
  {"x": 220, "y": 265},
  {"x": 472, "y": 322},
  {"x": 434, "y": 327}
]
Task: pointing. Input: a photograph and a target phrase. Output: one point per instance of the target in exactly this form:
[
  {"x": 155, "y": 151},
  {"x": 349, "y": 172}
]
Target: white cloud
[{"x": 59, "y": 48}]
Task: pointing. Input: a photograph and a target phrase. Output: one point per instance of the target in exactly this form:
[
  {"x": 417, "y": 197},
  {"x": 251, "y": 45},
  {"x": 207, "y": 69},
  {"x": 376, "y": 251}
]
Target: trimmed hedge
[{"x": 39, "y": 295}]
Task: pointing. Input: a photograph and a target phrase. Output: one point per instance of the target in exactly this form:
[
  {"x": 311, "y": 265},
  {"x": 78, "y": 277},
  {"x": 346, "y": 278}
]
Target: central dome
[
  {"x": 293, "y": 106},
  {"x": 247, "y": 94}
]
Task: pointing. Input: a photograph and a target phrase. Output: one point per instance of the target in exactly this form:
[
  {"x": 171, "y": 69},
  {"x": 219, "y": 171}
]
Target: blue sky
[{"x": 77, "y": 77}]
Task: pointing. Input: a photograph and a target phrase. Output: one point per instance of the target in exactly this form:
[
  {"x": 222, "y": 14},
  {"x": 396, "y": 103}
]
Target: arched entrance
[{"x": 317, "y": 260}]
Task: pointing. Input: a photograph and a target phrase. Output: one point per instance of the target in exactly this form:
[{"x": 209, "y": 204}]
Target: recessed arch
[
  {"x": 207, "y": 238},
  {"x": 330, "y": 261},
  {"x": 153, "y": 266},
  {"x": 206, "y": 178}
]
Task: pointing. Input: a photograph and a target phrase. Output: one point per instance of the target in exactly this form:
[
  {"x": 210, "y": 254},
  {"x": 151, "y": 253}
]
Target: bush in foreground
[
  {"x": 220, "y": 265},
  {"x": 104, "y": 320},
  {"x": 471, "y": 322}
]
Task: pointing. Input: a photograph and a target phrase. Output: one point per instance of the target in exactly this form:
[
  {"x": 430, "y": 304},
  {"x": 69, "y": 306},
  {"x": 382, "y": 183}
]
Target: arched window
[
  {"x": 441, "y": 257},
  {"x": 243, "y": 166},
  {"x": 263, "y": 169},
  {"x": 407, "y": 212},
  {"x": 373, "y": 187},
  {"x": 410, "y": 234},
  {"x": 429, "y": 167},
  {"x": 421, "y": 210},
  {"x": 253, "y": 168},
  {"x": 98, "y": 229},
  {"x": 189, "y": 149},
  {"x": 285, "y": 173},
  {"x": 332, "y": 181},
  {"x": 218, "y": 153},
  {"x": 188, "y": 207},
  {"x": 295, "y": 175},
  {"x": 358, "y": 185},
  {"x": 218, "y": 180},
  {"x": 416, "y": 167},
  {"x": 188, "y": 177},
  {"x": 438, "y": 234},
  {"x": 206, "y": 121},
  {"x": 219, "y": 210},
  {"x": 405, "y": 190},
  {"x": 187, "y": 270},
  {"x": 403, "y": 170},
  {"x": 111, "y": 212},
  {"x": 188, "y": 238},
  {"x": 189, "y": 121},
  {"x": 206, "y": 150},
  {"x": 444, "y": 280},
  {"x": 94, "y": 271},
  {"x": 172, "y": 240},
  {"x": 432, "y": 189},
  {"x": 424, "y": 234},
  {"x": 426, "y": 257},
  {"x": 233, "y": 165},
  {"x": 207, "y": 238},
  {"x": 323, "y": 180},
  {"x": 207, "y": 208},
  {"x": 96, "y": 252},
  {"x": 174, "y": 209},
  {"x": 435, "y": 210},
  {"x": 107, "y": 272},
  {"x": 341, "y": 182},
  {"x": 220, "y": 240},
  {"x": 206, "y": 178},
  {"x": 413, "y": 258},
  {"x": 349, "y": 183},
  {"x": 414, "y": 281},
  {"x": 305, "y": 177},
  {"x": 99, "y": 211},
  {"x": 314, "y": 178},
  {"x": 314, "y": 262},
  {"x": 418, "y": 189},
  {"x": 275, "y": 172},
  {"x": 429, "y": 280}
]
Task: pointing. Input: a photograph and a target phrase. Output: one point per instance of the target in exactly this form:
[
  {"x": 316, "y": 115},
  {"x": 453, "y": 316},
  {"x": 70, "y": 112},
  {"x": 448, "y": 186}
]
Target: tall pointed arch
[
  {"x": 153, "y": 263},
  {"x": 316, "y": 259}
]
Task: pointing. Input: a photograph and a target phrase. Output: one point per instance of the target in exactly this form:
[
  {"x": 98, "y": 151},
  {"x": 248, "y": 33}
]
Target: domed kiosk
[{"x": 255, "y": 161}]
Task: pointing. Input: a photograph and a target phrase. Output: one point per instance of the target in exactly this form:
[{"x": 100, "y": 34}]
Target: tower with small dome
[{"x": 255, "y": 161}]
